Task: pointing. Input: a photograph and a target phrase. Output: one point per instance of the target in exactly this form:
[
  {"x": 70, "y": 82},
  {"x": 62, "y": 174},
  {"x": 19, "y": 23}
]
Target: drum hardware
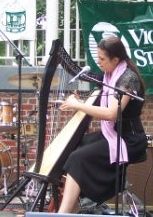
[
  {"x": 150, "y": 140},
  {"x": 28, "y": 136},
  {"x": 29, "y": 129},
  {"x": 9, "y": 135},
  {"x": 5, "y": 181},
  {"x": 6, "y": 166},
  {"x": 28, "y": 80},
  {"x": 25, "y": 146},
  {"x": 7, "y": 129},
  {"x": 4, "y": 149}
]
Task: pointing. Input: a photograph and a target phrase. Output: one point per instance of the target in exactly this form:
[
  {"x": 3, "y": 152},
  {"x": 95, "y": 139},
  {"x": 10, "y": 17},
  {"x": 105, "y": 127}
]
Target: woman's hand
[{"x": 71, "y": 102}]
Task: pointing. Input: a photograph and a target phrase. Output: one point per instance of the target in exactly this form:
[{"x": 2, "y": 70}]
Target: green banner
[{"x": 131, "y": 21}]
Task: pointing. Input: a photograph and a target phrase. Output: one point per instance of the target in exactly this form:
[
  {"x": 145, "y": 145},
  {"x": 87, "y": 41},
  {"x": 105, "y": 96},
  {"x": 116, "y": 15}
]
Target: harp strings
[{"x": 58, "y": 119}]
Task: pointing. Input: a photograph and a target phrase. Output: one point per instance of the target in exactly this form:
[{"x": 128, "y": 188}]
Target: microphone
[{"x": 85, "y": 69}]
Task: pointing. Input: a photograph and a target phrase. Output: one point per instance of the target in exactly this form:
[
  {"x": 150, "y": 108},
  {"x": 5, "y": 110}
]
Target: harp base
[{"x": 44, "y": 181}]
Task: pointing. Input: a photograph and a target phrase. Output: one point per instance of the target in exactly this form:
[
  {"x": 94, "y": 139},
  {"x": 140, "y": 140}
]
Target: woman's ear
[{"x": 116, "y": 60}]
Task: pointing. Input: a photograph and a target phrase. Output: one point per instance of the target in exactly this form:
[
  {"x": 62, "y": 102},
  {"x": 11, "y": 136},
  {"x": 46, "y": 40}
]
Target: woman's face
[{"x": 106, "y": 64}]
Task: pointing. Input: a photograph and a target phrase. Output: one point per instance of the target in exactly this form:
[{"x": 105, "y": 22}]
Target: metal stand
[
  {"x": 19, "y": 58},
  {"x": 26, "y": 141},
  {"x": 41, "y": 193}
]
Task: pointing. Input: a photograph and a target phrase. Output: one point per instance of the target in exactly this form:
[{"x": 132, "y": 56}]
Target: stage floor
[
  {"x": 10, "y": 214},
  {"x": 14, "y": 209},
  {"x": 19, "y": 206}
]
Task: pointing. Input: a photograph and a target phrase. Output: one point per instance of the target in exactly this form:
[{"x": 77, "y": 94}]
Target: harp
[{"x": 49, "y": 161}]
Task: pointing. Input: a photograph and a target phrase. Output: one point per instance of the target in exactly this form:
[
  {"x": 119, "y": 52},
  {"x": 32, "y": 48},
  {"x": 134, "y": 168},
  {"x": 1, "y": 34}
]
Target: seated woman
[{"x": 91, "y": 169}]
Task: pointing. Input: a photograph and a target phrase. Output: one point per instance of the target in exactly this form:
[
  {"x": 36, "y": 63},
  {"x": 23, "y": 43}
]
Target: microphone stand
[
  {"x": 120, "y": 93},
  {"x": 19, "y": 58}
]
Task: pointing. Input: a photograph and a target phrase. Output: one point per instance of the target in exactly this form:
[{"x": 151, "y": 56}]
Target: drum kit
[{"x": 9, "y": 127}]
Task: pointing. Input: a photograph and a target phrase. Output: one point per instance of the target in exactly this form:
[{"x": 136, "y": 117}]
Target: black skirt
[{"x": 90, "y": 166}]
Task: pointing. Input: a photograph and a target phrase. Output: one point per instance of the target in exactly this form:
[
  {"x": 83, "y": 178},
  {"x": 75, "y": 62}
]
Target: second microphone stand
[{"x": 19, "y": 58}]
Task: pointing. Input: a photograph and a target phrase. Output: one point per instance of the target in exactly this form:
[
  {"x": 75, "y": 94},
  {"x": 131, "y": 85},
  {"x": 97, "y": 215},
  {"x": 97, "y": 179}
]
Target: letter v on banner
[{"x": 18, "y": 19}]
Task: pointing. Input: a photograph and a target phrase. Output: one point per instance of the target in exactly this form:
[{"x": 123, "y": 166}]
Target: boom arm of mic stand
[
  {"x": 16, "y": 48},
  {"x": 118, "y": 90}
]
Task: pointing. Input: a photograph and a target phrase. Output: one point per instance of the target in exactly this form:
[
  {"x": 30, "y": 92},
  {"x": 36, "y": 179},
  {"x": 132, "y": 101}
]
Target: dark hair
[{"x": 114, "y": 47}]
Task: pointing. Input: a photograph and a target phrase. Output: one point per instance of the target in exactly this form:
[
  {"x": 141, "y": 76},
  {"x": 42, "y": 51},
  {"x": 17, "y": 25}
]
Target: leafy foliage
[{"x": 40, "y": 8}]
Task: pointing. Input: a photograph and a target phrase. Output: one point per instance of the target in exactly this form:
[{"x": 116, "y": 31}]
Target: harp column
[{"x": 52, "y": 14}]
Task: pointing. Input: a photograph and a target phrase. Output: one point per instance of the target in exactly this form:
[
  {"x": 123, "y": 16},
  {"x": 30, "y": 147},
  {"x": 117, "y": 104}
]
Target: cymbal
[
  {"x": 31, "y": 80},
  {"x": 28, "y": 80}
]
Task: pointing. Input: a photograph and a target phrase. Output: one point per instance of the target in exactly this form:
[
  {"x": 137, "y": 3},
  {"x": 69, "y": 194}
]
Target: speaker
[
  {"x": 49, "y": 214},
  {"x": 140, "y": 178}
]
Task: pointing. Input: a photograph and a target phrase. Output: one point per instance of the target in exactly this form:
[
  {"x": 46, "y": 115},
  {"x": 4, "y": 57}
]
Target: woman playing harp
[{"x": 91, "y": 169}]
